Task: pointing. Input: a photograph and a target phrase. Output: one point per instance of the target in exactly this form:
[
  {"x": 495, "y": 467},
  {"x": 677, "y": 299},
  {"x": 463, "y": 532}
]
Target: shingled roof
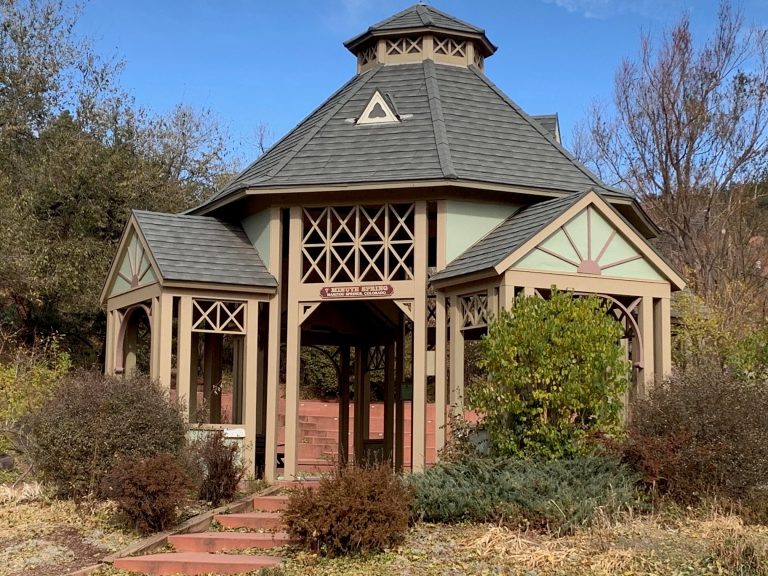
[
  {"x": 202, "y": 249},
  {"x": 422, "y": 16},
  {"x": 500, "y": 242},
  {"x": 454, "y": 124}
]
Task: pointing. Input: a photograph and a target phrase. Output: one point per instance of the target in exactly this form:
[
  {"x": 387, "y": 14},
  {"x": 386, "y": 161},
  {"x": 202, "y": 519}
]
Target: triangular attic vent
[{"x": 378, "y": 111}]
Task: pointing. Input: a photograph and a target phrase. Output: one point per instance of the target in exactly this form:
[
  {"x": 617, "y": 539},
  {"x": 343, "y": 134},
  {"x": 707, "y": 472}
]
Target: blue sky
[{"x": 271, "y": 62}]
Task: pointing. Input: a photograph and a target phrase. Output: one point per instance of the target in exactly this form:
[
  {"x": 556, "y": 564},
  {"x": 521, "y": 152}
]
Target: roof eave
[{"x": 353, "y": 43}]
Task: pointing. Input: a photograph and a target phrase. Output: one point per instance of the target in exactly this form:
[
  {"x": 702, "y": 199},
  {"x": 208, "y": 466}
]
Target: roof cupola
[{"x": 419, "y": 33}]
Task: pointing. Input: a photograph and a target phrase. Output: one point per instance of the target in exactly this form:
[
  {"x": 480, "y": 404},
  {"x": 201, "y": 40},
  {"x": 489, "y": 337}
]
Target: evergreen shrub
[
  {"x": 222, "y": 470},
  {"x": 90, "y": 419},
  {"x": 355, "y": 510},
  {"x": 147, "y": 490},
  {"x": 703, "y": 432},
  {"x": 554, "y": 495}
]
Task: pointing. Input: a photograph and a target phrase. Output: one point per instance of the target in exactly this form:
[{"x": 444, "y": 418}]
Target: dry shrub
[
  {"x": 222, "y": 469},
  {"x": 147, "y": 490},
  {"x": 354, "y": 510},
  {"x": 91, "y": 418},
  {"x": 704, "y": 432},
  {"x": 734, "y": 552}
]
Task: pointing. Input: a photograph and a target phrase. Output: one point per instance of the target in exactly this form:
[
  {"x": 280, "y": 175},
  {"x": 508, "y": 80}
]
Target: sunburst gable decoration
[
  {"x": 589, "y": 244},
  {"x": 135, "y": 268}
]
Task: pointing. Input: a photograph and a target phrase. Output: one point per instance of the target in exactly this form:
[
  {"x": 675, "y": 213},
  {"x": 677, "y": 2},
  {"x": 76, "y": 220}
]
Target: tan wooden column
[
  {"x": 456, "y": 395},
  {"x": 184, "y": 389},
  {"x": 130, "y": 344},
  {"x": 250, "y": 382},
  {"x": 645, "y": 376},
  {"x": 389, "y": 402},
  {"x": 419, "y": 405},
  {"x": 441, "y": 384},
  {"x": 506, "y": 292},
  {"x": 344, "y": 405},
  {"x": 194, "y": 356},
  {"x": 358, "y": 435},
  {"x": 161, "y": 361},
  {"x": 662, "y": 338},
  {"x": 529, "y": 290},
  {"x": 399, "y": 408},
  {"x": 293, "y": 348},
  {"x": 212, "y": 376},
  {"x": 154, "y": 342},
  {"x": 110, "y": 344},
  {"x": 273, "y": 348}
]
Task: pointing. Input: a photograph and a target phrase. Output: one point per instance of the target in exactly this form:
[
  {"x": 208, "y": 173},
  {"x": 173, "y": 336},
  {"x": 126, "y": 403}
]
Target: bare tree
[{"x": 687, "y": 134}]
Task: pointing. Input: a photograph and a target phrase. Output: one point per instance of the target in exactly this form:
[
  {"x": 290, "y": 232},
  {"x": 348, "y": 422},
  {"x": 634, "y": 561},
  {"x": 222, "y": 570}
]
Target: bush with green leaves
[
  {"x": 28, "y": 376},
  {"x": 555, "y": 495},
  {"x": 90, "y": 419},
  {"x": 554, "y": 372},
  {"x": 355, "y": 510},
  {"x": 703, "y": 432},
  {"x": 148, "y": 490}
]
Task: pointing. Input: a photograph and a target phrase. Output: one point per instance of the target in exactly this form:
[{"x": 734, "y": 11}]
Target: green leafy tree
[
  {"x": 76, "y": 155},
  {"x": 554, "y": 371}
]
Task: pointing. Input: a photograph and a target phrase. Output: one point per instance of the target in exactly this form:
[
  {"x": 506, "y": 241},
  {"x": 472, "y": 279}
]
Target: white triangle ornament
[{"x": 377, "y": 111}]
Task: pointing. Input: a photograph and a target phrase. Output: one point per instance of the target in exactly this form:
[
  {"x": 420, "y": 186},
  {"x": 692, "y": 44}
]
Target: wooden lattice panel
[
  {"x": 218, "y": 316},
  {"x": 479, "y": 61},
  {"x": 358, "y": 243},
  {"x": 474, "y": 310},
  {"x": 377, "y": 358},
  {"x": 451, "y": 47},
  {"x": 400, "y": 46},
  {"x": 367, "y": 56}
]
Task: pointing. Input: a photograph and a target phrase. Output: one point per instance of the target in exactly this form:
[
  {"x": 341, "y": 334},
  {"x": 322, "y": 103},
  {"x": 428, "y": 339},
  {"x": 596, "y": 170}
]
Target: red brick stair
[{"x": 201, "y": 553}]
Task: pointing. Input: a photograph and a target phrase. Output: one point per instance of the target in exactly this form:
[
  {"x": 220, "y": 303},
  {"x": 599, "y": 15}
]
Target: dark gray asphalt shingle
[
  {"x": 550, "y": 123},
  {"x": 455, "y": 125},
  {"x": 500, "y": 242},
  {"x": 202, "y": 249},
  {"x": 420, "y": 15}
]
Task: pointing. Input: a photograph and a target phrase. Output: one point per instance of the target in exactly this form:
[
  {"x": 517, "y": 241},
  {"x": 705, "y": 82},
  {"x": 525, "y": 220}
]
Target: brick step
[
  {"x": 222, "y": 541},
  {"x": 190, "y": 563},
  {"x": 251, "y": 520},
  {"x": 274, "y": 503}
]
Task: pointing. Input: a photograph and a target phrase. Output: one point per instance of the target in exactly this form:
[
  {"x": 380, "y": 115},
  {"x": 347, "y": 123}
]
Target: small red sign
[{"x": 366, "y": 291}]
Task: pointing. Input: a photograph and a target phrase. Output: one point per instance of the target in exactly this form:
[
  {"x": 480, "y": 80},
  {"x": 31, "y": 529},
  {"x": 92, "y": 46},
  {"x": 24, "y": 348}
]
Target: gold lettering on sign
[{"x": 367, "y": 291}]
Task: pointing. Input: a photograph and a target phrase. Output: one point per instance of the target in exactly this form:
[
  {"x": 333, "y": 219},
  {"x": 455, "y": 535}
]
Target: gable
[
  {"x": 589, "y": 244},
  {"x": 133, "y": 267}
]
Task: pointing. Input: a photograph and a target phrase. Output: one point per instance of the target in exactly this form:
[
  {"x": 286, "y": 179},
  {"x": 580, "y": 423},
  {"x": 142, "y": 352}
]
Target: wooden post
[
  {"x": 154, "y": 342},
  {"x": 389, "y": 402},
  {"x": 645, "y": 376},
  {"x": 166, "y": 340},
  {"x": 109, "y": 346},
  {"x": 130, "y": 343},
  {"x": 273, "y": 348},
  {"x": 293, "y": 348},
  {"x": 344, "y": 405},
  {"x": 250, "y": 374},
  {"x": 184, "y": 354},
  {"x": 419, "y": 405},
  {"x": 662, "y": 338},
  {"x": 399, "y": 415},
  {"x": 212, "y": 376},
  {"x": 194, "y": 342},
  {"x": 440, "y": 371},
  {"x": 456, "y": 396},
  {"x": 359, "y": 376}
]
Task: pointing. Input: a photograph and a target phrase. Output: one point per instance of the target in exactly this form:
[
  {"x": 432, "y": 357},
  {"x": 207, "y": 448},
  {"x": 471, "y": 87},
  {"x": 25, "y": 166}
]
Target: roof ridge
[
  {"x": 535, "y": 125},
  {"x": 424, "y": 16},
  {"x": 438, "y": 121}
]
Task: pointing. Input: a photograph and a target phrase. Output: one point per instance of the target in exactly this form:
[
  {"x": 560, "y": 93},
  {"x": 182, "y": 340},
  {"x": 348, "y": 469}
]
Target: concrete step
[
  {"x": 222, "y": 541},
  {"x": 251, "y": 520},
  {"x": 274, "y": 503},
  {"x": 191, "y": 563}
]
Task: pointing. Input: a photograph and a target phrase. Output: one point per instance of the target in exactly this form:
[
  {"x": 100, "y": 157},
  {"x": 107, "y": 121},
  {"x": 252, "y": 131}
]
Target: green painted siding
[
  {"x": 634, "y": 269},
  {"x": 134, "y": 255},
  {"x": 256, "y": 227},
  {"x": 467, "y": 222},
  {"x": 538, "y": 260}
]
